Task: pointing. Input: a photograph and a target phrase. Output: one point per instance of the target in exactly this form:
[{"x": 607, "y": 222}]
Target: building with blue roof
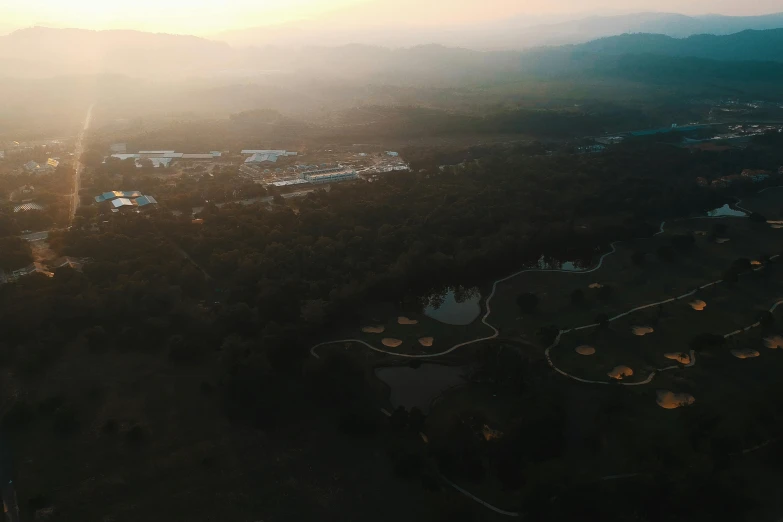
[
  {"x": 122, "y": 199},
  {"x": 143, "y": 201},
  {"x": 114, "y": 194}
]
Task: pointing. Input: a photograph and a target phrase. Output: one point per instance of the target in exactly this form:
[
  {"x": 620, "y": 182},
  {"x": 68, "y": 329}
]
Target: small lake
[
  {"x": 418, "y": 387},
  {"x": 548, "y": 263},
  {"x": 456, "y": 306},
  {"x": 726, "y": 211}
]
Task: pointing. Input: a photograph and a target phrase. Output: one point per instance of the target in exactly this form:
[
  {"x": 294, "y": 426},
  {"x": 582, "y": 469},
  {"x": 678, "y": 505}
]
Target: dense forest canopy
[{"x": 286, "y": 272}]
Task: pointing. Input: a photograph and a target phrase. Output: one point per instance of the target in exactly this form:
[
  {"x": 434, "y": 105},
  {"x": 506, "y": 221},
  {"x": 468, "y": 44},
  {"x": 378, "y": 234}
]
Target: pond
[
  {"x": 456, "y": 306},
  {"x": 726, "y": 211},
  {"x": 418, "y": 387},
  {"x": 550, "y": 263}
]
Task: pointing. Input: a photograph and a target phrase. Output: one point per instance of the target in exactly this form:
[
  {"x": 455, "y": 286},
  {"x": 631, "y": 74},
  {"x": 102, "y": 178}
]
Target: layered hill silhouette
[{"x": 43, "y": 53}]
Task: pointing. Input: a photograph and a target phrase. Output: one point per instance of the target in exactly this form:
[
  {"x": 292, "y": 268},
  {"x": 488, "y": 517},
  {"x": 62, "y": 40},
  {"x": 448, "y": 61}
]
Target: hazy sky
[{"x": 212, "y": 16}]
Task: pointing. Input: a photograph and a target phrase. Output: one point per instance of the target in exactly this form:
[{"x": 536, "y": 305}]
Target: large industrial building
[
  {"x": 265, "y": 156},
  {"x": 163, "y": 158},
  {"x": 329, "y": 175},
  {"x": 260, "y": 158},
  {"x": 276, "y": 152}
]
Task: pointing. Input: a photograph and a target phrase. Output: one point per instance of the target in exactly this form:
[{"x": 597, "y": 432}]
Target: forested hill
[
  {"x": 743, "y": 46},
  {"x": 43, "y": 53}
]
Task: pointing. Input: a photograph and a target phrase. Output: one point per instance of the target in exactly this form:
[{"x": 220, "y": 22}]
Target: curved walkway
[
  {"x": 496, "y": 333},
  {"x": 482, "y": 502}
]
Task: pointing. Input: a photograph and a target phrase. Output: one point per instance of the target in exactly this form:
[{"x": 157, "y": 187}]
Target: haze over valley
[{"x": 371, "y": 260}]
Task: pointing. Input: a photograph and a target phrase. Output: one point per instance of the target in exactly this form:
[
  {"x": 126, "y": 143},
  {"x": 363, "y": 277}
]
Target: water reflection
[
  {"x": 418, "y": 387},
  {"x": 550, "y": 263},
  {"x": 455, "y": 306},
  {"x": 725, "y": 211}
]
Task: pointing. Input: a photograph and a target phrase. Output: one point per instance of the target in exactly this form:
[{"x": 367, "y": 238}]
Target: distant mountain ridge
[
  {"x": 512, "y": 33},
  {"x": 43, "y": 53},
  {"x": 744, "y": 46}
]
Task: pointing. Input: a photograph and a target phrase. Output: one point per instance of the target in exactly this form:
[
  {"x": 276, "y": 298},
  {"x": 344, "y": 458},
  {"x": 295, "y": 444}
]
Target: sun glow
[
  {"x": 213, "y": 17},
  {"x": 200, "y": 17}
]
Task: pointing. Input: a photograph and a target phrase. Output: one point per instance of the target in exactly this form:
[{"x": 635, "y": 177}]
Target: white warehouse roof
[
  {"x": 122, "y": 202},
  {"x": 265, "y": 151},
  {"x": 262, "y": 158}
]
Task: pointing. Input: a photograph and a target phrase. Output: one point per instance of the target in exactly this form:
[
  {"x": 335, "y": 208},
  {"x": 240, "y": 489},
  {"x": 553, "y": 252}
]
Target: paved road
[{"x": 79, "y": 167}]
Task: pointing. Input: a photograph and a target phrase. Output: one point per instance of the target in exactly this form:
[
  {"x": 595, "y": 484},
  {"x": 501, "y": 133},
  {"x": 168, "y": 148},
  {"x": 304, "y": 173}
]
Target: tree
[
  {"x": 527, "y": 302},
  {"x": 683, "y": 242},
  {"x": 359, "y": 422},
  {"x": 665, "y": 253},
  {"x": 767, "y": 319},
  {"x": 741, "y": 265},
  {"x": 719, "y": 229},
  {"x": 314, "y": 311},
  {"x": 731, "y": 276},
  {"x": 15, "y": 253},
  {"x": 637, "y": 258},
  {"x": 416, "y": 420},
  {"x": 408, "y": 465},
  {"x": 399, "y": 418},
  {"x": 602, "y": 320},
  {"x": 706, "y": 341},
  {"x": 548, "y": 334},
  {"x": 136, "y": 436},
  {"x": 577, "y": 297},
  {"x": 755, "y": 217}
]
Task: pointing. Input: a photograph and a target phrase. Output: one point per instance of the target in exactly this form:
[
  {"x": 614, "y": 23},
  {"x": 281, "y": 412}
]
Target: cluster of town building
[
  {"x": 36, "y": 168},
  {"x": 126, "y": 199},
  {"x": 47, "y": 268},
  {"x": 265, "y": 167},
  {"x": 49, "y": 148}
]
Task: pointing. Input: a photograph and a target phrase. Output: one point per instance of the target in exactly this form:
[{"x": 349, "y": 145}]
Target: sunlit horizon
[{"x": 211, "y": 17}]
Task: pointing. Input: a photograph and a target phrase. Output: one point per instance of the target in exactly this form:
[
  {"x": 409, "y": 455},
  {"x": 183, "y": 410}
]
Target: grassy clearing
[{"x": 628, "y": 285}]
